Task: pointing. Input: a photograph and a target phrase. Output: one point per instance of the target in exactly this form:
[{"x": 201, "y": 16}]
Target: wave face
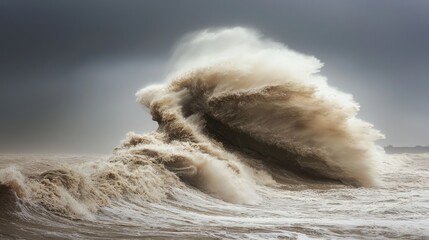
[
  {"x": 236, "y": 112},
  {"x": 233, "y": 95}
]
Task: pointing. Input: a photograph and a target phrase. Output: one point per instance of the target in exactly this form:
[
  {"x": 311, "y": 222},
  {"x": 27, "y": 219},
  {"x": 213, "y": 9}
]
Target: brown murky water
[{"x": 399, "y": 208}]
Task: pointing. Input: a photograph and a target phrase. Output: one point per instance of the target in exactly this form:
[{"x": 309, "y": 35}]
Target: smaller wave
[{"x": 79, "y": 191}]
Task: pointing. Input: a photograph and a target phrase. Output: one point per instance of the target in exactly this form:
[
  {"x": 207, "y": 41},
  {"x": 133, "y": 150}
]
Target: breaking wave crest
[{"x": 237, "y": 111}]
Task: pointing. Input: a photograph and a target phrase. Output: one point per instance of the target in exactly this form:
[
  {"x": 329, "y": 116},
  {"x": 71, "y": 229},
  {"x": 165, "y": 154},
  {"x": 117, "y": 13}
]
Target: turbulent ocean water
[{"x": 252, "y": 143}]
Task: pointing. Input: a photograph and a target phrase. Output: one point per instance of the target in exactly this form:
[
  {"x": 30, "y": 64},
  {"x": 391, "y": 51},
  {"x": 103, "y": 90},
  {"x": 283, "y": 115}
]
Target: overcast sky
[{"x": 69, "y": 69}]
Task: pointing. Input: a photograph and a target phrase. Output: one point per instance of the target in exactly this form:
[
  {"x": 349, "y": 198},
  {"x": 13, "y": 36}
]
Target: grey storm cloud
[{"x": 66, "y": 66}]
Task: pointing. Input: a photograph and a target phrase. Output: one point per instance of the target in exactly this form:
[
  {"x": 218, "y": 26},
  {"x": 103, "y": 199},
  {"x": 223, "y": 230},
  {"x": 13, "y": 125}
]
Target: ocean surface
[
  {"x": 398, "y": 209},
  {"x": 252, "y": 143}
]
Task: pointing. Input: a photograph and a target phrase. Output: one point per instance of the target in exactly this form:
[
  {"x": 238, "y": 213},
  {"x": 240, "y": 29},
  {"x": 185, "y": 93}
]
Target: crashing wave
[{"x": 235, "y": 108}]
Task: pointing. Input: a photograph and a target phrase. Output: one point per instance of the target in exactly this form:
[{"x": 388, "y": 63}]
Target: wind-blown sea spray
[
  {"x": 235, "y": 110},
  {"x": 256, "y": 94}
]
